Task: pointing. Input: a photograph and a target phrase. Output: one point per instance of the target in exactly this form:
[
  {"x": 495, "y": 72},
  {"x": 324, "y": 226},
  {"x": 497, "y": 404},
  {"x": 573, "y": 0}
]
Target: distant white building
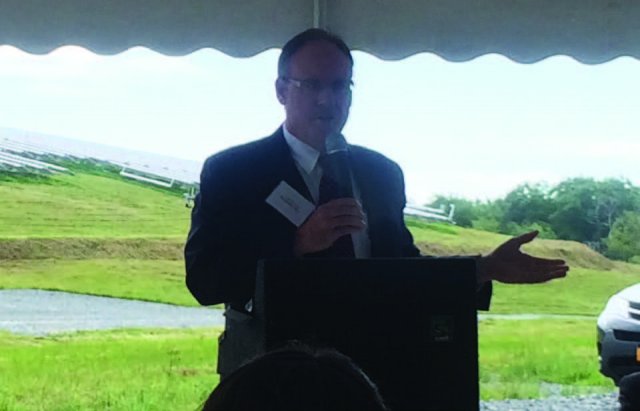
[{"x": 430, "y": 213}]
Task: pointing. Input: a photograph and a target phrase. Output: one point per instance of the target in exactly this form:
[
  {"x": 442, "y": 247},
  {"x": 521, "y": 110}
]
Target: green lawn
[
  {"x": 124, "y": 370},
  {"x": 85, "y": 205},
  {"x": 175, "y": 369},
  {"x": 97, "y": 233},
  {"x": 520, "y": 359},
  {"x": 583, "y": 292},
  {"x": 150, "y": 280}
]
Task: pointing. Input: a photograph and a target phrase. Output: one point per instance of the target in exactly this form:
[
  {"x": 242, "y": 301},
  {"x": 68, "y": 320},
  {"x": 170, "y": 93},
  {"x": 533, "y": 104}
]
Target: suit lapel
[{"x": 284, "y": 165}]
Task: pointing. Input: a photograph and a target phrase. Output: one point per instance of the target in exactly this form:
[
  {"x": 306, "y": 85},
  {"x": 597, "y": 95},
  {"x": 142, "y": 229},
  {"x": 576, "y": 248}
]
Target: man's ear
[{"x": 281, "y": 91}]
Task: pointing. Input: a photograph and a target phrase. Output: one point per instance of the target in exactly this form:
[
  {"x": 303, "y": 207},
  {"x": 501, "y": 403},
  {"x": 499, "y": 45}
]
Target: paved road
[
  {"x": 520, "y": 317},
  {"x": 38, "y": 312}
]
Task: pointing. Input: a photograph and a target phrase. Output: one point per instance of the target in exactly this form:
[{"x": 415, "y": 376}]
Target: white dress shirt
[{"x": 306, "y": 159}]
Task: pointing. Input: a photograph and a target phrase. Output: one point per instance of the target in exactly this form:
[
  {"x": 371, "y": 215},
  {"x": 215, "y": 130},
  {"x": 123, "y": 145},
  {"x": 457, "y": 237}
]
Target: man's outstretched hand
[{"x": 508, "y": 264}]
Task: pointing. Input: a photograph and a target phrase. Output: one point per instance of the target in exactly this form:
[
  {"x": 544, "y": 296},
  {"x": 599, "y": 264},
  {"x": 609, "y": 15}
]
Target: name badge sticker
[{"x": 291, "y": 204}]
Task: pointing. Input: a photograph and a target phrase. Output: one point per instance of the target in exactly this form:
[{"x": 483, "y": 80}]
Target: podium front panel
[{"x": 410, "y": 324}]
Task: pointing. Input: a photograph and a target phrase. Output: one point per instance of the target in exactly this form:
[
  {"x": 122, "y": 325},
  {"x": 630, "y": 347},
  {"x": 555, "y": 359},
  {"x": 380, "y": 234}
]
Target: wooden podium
[{"x": 410, "y": 324}]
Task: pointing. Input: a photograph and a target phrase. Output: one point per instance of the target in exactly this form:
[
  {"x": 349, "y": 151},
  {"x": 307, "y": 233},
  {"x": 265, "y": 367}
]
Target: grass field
[
  {"x": 521, "y": 359},
  {"x": 174, "y": 369},
  {"x": 85, "y": 205},
  {"x": 100, "y": 234},
  {"x": 96, "y": 233},
  {"x": 149, "y": 280},
  {"x": 115, "y": 370}
]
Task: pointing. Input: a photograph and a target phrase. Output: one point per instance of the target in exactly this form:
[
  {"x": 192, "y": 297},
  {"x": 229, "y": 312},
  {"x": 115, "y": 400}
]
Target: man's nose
[{"x": 325, "y": 95}]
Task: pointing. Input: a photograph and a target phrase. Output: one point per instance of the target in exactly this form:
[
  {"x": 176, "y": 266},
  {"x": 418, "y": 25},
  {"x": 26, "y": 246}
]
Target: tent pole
[{"x": 319, "y": 14}]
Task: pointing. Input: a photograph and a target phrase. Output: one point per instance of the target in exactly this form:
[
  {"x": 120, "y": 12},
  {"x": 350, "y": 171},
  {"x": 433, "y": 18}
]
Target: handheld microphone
[{"x": 336, "y": 164}]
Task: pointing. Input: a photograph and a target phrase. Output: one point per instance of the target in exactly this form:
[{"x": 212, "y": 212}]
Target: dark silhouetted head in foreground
[
  {"x": 629, "y": 396},
  {"x": 296, "y": 379}
]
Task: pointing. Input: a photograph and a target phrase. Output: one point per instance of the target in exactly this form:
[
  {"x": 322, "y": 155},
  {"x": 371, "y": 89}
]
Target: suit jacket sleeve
[
  {"x": 229, "y": 226},
  {"x": 484, "y": 292}
]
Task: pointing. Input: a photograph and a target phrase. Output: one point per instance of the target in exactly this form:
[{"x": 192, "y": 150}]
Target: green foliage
[
  {"x": 486, "y": 224},
  {"x": 624, "y": 240},
  {"x": 527, "y": 204},
  {"x": 586, "y": 208},
  {"x": 544, "y": 229},
  {"x": 579, "y": 209},
  {"x": 467, "y": 211}
]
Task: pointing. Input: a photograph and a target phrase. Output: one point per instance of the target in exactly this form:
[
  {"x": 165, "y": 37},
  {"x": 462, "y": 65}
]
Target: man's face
[{"x": 316, "y": 93}]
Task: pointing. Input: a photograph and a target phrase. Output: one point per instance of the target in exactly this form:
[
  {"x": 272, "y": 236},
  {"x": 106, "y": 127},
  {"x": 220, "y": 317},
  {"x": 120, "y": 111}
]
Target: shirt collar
[{"x": 302, "y": 153}]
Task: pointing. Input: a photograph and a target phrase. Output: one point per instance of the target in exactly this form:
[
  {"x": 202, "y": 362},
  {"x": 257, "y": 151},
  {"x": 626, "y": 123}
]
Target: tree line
[{"x": 602, "y": 214}]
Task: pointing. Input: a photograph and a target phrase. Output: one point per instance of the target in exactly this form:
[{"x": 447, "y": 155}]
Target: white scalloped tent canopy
[{"x": 591, "y": 31}]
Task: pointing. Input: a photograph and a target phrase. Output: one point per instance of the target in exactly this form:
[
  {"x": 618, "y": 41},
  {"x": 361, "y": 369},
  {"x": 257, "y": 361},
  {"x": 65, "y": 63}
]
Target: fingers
[
  {"x": 548, "y": 276},
  {"x": 327, "y": 223},
  {"x": 342, "y": 231},
  {"x": 345, "y": 220},
  {"x": 356, "y": 222},
  {"x": 559, "y": 273},
  {"x": 544, "y": 275},
  {"x": 548, "y": 264},
  {"x": 525, "y": 238},
  {"x": 547, "y": 269},
  {"x": 543, "y": 262},
  {"x": 548, "y": 261},
  {"x": 342, "y": 212},
  {"x": 342, "y": 201},
  {"x": 342, "y": 206}
]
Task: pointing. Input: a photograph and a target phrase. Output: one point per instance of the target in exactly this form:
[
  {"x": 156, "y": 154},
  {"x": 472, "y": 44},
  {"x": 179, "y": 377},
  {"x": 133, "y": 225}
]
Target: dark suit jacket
[{"x": 232, "y": 227}]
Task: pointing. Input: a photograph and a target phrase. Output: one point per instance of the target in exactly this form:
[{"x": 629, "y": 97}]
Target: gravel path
[
  {"x": 38, "y": 312},
  {"x": 596, "y": 402}
]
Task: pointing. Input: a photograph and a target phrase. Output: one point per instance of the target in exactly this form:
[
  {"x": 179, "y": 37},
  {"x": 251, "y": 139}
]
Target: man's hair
[
  {"x": 308, "y": 36},
  {"x": 297, "y": 378}
]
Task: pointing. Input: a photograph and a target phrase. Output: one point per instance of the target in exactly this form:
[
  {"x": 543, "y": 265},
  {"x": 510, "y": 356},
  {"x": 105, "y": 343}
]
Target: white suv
[{"x": 619, "y": 334}]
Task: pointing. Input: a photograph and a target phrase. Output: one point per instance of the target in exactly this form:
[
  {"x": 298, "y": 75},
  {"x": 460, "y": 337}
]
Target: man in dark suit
[{"x": 235, "y": 223}]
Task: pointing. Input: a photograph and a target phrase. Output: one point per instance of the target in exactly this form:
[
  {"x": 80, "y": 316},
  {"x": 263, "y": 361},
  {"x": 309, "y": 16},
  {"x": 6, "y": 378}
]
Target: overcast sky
[{"x": 474, "y": 129}]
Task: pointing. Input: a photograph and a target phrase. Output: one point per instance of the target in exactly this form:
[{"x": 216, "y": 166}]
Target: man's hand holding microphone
[{"x": 339, "y": 213}]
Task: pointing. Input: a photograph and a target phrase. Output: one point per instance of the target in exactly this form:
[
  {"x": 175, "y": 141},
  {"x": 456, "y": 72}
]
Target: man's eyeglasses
[{"x": 312, "y": 86}]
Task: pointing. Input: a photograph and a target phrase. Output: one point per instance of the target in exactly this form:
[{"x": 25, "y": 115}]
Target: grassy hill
[
  {"x": 591, "y": 280},
  {"x": 89, "y": 206},
  {"x": 98, "y": 233}
]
